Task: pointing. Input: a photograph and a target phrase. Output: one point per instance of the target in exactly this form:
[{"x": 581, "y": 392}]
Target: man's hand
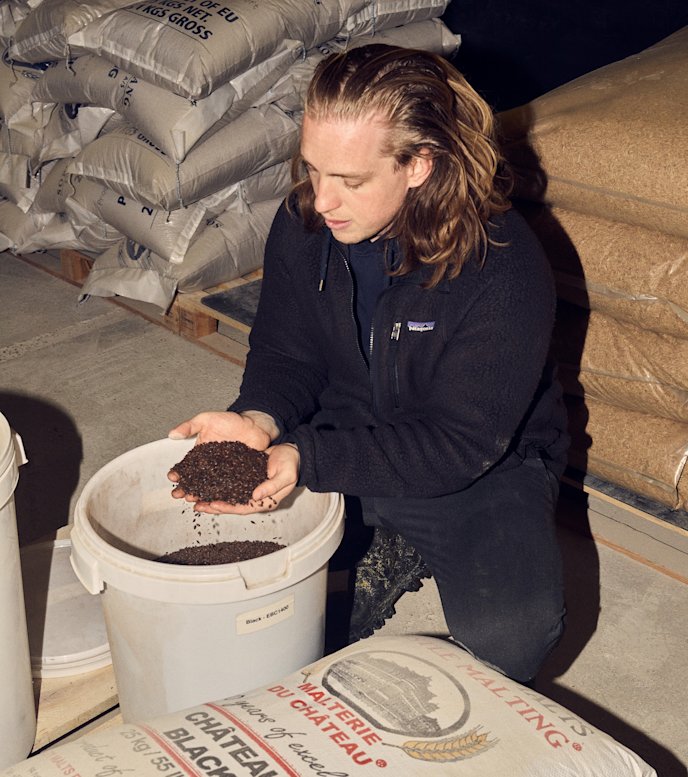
[
  {"x": 252, "y": 427},
  {"x": 283, "y": 474}
]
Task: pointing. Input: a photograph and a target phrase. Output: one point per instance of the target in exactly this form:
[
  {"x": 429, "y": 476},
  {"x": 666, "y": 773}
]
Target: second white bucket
[
  {"x": 181, "y": 635},
  {"x": 17, "y": 710}
]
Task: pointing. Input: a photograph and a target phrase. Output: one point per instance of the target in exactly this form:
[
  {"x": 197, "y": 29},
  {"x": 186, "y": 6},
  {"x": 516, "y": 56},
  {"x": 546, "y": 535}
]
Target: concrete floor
[{"x": 84, "y": 383}]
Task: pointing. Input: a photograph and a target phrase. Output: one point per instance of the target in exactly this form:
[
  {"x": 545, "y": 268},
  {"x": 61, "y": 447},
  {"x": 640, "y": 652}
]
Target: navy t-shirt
[{"x": 367, "y": 263}]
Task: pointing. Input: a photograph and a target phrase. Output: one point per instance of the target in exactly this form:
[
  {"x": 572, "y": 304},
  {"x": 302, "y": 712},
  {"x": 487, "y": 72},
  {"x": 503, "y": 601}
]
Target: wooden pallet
[{"x": 187, "y": 316}]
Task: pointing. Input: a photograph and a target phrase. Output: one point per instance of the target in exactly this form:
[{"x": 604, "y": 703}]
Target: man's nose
[{"x": 326, "y": 197}]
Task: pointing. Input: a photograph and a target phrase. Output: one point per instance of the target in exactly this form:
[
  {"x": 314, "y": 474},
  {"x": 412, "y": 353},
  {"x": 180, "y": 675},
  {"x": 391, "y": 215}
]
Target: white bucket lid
[{"x": 67, "y": 633}]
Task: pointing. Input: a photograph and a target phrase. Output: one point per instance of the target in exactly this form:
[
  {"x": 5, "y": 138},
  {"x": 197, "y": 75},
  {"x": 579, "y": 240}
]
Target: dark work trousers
[{"x": 493, "y": 552}]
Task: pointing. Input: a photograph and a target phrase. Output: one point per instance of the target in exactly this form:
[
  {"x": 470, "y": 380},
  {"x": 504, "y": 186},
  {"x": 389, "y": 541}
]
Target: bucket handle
[
  {"x": 87, "y": 572},
  {"x": 19, "y": 452},
  {"x": 266, "y": 570}
]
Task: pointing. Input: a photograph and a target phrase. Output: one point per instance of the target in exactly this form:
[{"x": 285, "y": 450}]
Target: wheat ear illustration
[{"x": 472, "y": 743}]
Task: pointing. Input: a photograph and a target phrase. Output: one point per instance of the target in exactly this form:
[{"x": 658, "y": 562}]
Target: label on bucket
[{"x": 267, "y": 616}]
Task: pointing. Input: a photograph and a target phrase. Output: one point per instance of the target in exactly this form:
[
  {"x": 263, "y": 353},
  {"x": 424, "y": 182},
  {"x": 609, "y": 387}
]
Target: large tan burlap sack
[
  {"x": 230, "y": 246},
  {"x": 130, "y": 164},
  {"x": 173, "y": 123},
  {"x": 625, "y": 271},
  {"x": 192, "y": 47},
  {"x": 643, "y": 453},
  {"x": 621, "y": 364},
  {"x": 406, "y": 705},
  {"x": 612, "y": 143}
]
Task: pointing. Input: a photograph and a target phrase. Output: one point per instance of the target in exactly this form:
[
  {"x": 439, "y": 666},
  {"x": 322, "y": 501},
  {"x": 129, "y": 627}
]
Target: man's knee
[{"x": 515, "y": 647}]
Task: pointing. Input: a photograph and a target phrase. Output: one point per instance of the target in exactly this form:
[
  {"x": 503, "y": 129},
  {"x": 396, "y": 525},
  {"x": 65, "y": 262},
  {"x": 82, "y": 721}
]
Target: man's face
[{"x": 358, "y": 191}]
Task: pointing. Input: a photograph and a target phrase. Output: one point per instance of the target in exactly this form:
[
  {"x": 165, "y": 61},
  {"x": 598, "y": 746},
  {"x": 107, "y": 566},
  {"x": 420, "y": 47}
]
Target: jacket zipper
[
  {"x": 351, "y": 311},
  {"x": 393, "y": 365}
]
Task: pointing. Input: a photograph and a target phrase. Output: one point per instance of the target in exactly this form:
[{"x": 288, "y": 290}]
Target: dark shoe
[{"x": 389, "y": 569}]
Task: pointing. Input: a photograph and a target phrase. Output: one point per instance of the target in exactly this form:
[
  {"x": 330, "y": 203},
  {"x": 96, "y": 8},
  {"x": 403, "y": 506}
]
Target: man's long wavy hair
[{"x": 430, "y": 109}]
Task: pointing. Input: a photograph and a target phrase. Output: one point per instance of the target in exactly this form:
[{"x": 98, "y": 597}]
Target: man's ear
[{"x": 419, "y": 168}]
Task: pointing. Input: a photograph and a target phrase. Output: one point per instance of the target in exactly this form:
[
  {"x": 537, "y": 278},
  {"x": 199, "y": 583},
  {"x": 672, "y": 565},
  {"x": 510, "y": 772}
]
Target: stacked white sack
[
  {"x": 181, "y": 133},
  {"x": 232, "y": 244},
  {"x": 32, "y": 136}
]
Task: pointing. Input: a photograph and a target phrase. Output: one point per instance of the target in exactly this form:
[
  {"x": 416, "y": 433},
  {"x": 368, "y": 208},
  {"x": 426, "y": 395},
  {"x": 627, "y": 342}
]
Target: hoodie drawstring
[{"x": 324, "y": 260}]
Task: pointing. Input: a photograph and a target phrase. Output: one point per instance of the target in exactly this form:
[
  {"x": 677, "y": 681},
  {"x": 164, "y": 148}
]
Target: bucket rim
[
  {"x": 205, "y": 573},
  {"x": 89, "y": 547}
]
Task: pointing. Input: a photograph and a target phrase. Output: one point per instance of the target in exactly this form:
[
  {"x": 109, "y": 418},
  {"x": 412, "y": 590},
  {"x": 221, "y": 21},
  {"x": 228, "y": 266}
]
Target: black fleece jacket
[{"x": 458, "y": 382}]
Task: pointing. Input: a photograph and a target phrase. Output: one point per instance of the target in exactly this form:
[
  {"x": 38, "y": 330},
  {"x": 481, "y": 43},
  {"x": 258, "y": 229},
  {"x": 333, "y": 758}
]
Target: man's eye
[{"x": 353, "y": 184}]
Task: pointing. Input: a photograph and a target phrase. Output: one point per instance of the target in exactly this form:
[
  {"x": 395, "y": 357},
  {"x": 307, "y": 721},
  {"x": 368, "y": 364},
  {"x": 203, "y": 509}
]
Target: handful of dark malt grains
[{"x": 222, "y": 471}]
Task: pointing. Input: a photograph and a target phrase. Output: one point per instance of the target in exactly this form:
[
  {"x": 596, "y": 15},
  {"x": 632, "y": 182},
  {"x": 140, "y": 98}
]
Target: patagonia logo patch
[{"x": 420, "y": 326}]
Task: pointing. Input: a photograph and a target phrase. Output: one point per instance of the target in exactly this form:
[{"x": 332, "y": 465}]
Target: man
[{"x": 399, "y": 352}]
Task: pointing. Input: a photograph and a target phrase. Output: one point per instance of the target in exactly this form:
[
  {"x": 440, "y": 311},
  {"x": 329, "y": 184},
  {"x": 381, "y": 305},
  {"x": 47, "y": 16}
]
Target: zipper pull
[{"x": 396, "y": 330}]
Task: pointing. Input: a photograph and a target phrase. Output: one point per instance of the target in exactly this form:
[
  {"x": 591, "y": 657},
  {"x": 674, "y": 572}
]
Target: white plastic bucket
[
  {"x": 180, "y": 635},
  {"x": 17, "y": 709}
]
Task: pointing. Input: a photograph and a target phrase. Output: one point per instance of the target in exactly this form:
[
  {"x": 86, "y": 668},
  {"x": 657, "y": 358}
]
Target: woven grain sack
[
  {"x": 621, "y": 364},
  {"x": 69, "y": 226},
  {"x": 51, "y": 233},
  {"x": 17, "y": 228},
  {"x": 77, "y": 231},
  {"x": 173, "y": 123},
  {"x": 385, "y": 14},
  {"x": 43, "y": 34},
  {"x": 232, "y": 245},
  {"x": 130, "y": 164},
  {"x": 431, "y": 35},
  {"x": 404, "y": 705},
  {"x": 17, "y": 183},
  {"x": 169, "y": 234},
  {"x": 640, "y": 452},
  {"x": 130, "y": 270},
  {"x": 70, "y": 129},
  {"x": 42, "y": 226},
  {"x": 11, "y": 16},
  {"x": 192, "y": 47},
  {"x": 13, "y": 142},
  {"x": 612, "y": 143},
  {"x": 625, "y": 271},
  {"x": 54, "y": 189},
  {"x": 9, "y": 223},
  {"x": 17, "y": 110}
]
